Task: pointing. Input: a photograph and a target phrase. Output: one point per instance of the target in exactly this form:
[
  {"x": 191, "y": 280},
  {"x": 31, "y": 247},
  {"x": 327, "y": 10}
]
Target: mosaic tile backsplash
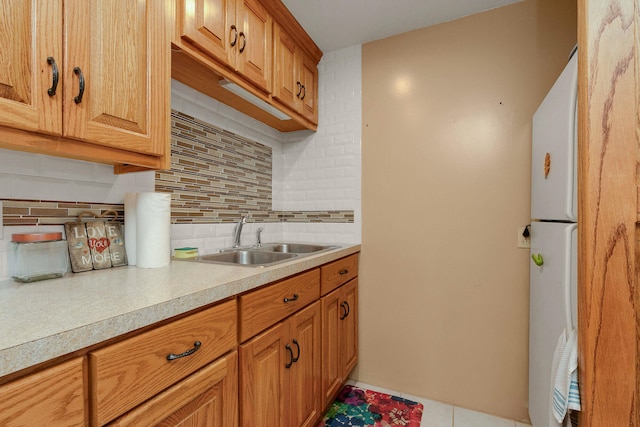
[
  {"x": 40, "y": 212},
  {"x": 215, "y": 177}
]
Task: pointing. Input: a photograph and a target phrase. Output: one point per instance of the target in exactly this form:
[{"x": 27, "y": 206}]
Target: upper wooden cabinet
[
  {"x": 295, "y": 75},
  {"x": 118, "y": 48},
  {"x": 257, "y": 45},
  {"x": 236, "y": 33},
  {"x": 309, "y": 83},
  {"x": 29, "y": 98},
  {"x": 210, "y": 25},
  {"x": 104, "y": 96},
  {"x": 254, "y": 43}
]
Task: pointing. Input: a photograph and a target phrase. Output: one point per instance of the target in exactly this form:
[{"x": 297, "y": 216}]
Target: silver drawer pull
[
  {"x": 196, "y": 346},
  {"x": 294, "y": 298},
  {"x": 343, "y": 272}
]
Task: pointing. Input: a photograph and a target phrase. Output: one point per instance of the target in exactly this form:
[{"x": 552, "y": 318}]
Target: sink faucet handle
[{"x": 258, "y": 239}]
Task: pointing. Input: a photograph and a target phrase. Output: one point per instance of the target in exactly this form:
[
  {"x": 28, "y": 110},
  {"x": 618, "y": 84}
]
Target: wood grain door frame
[{"x": 608, "y": 70}]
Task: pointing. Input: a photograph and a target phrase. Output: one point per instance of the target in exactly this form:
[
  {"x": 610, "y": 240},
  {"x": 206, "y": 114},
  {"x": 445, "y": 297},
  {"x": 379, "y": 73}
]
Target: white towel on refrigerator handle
[{"x": 565, "y": 393}]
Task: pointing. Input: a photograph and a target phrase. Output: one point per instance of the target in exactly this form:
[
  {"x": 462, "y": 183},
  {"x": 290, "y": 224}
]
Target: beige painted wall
[{"x": 446, "y": 143}]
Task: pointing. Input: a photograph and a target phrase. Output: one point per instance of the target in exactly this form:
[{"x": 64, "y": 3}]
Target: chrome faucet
[
  {"x": 258, "y": 239},
  {"x": 238, "y": 231}
]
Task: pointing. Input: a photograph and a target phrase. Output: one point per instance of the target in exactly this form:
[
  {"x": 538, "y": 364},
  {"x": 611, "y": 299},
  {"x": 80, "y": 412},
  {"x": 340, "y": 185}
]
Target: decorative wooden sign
[
  {"x": 95, "y": 245},
  {"x": 79, "y": 252},
  {"x": 114, "y": 233}
]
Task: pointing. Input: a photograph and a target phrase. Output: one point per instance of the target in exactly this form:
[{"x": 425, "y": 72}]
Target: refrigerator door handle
[
  {"x": 537, "y": 259},
  {"x": 571, "y": 202},
  {"x": 570, "y": 253}
]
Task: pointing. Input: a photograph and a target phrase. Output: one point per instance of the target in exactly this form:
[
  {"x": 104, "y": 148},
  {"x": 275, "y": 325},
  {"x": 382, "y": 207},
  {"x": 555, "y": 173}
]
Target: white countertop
[{"x": 43, "y": 320}]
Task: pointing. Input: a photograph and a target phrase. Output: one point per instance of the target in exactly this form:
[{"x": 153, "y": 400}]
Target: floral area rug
[{"x": 358, "y": 407}]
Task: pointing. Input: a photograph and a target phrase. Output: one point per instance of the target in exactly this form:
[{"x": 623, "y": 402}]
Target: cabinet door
[
  {"x": 339, "y": 338},
  {"x": 208, "y": 398},
  {"x": 254, "y": 43},
  {"x": 263, "y": 380},
  {"x": 286, "y": 83},
  {"x": 121, "y": 50},
  {"x": 53, "y": 397},
  {"x": 210, "y": 25},
  {"x": 309, "y": 80},
  {"x": 31, "y": 32},
  {"x": 304, "y": 391},
  {"x": 349, "y": 326},
  {"x": 331, "y": 333}
]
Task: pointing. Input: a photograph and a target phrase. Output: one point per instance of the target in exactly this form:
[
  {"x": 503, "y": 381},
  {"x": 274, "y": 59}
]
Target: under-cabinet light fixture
[{"x": 248, "y": 96}]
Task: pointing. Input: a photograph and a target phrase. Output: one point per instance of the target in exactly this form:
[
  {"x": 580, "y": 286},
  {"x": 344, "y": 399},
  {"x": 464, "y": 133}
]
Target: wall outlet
[{"x": 523, "y": 242}]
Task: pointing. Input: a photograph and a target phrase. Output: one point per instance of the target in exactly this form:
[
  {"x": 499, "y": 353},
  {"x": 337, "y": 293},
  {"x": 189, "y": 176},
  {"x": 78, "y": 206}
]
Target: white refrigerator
[{"x": 553, "y": 264}]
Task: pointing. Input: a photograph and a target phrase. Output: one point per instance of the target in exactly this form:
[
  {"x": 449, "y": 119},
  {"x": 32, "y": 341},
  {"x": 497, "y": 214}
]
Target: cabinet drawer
[
  {"x": 133, "y": 370},
  {"x": 262, "y": 308},
  {"x": 54, "y": 396},
  {"x": 209, "y": 396},
  {"x": 338, "y": 273}
]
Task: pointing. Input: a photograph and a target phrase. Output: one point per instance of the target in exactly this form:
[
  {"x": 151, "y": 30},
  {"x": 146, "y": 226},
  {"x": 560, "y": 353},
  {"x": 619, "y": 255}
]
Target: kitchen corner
[
  {"x": 302, "y": 187},
  {"x": 82, "y": 310},
  {"x": 415, "y": 145}
]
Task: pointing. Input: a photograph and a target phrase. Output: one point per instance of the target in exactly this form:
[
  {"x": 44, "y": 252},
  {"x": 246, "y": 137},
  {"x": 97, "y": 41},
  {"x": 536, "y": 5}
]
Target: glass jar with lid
[{"x": 38, "y": 256}]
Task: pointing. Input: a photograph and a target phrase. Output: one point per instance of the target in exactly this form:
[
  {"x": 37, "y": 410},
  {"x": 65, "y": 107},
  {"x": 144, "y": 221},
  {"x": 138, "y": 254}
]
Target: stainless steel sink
[
  {"x": 246, "y": 257},
  {"x": 293, "y": 248},
  {"x": 263, "y": 256}
]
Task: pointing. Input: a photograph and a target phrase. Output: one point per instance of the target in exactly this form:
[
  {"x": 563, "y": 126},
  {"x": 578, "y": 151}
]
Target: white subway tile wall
[
  {"x": 196, "y": 104},
  {"x": 38, "y": 177},
  {"x": 322, "y": 172},
  {"x": 319, "y": 232},
  {"x": 311, "y": 171}
]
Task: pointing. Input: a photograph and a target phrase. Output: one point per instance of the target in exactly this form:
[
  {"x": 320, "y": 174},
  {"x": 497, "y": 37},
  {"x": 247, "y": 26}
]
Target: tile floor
[{"x": 437, "y": 414}]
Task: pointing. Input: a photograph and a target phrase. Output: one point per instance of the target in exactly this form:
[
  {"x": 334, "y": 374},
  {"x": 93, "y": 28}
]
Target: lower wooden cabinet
[
  {"x": 304, "y": 384},
  {"x": 272, "y": 357},
  {"x": 131, "y": 371},
  {"x": 207, "y": 398},
  {"x": 349, "y": 338},
  {"x": 52, "y": 397},
  {"x": 339, "y": 338},
  {"x": 280, "y": 373}
]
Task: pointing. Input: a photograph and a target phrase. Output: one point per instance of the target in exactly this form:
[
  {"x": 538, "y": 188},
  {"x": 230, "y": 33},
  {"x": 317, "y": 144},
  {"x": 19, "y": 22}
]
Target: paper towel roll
[
  {"x": 153, "y": 230},
  {"x": 130, "y": 226}
]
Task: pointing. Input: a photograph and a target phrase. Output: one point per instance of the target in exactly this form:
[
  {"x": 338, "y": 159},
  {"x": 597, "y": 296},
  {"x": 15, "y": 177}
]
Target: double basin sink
[{"x": 263, "y": 256}]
